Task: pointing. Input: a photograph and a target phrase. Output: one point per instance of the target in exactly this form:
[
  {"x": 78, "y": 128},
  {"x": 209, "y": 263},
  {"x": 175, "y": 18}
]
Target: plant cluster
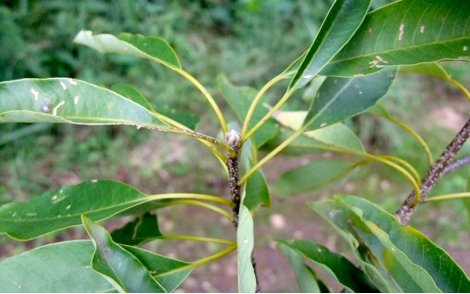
[{"x": 354, "y": 59}]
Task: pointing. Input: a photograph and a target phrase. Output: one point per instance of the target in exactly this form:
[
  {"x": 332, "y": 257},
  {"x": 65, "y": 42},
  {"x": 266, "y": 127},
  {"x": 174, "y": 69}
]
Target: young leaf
[
  {"x": 245, "y": 243},
  {"x": 56, "y": 268},
  {"x": 141, "y": 229},
  {"x": 312, "y": 176},
  {"x": 342, "y": 21},
  {"x": 64, "y": 100},
  {"x": 152, "y": 48},
  {"x": 406, "y": 32},
  {"x": 118, "y": 264},
  {"x": 305, "y": 278},
  {"x": 61, "y": 209},
  {"x": 239, "y": 100},
  {"x": 337, "y": 266},
  {"x": 396, "y": 249},
  {"x": 341, "y": 98}
]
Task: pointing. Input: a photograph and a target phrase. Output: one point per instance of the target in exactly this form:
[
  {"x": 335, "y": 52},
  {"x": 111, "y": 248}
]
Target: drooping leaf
[
  {"x": 118, "y": 264},
  {"x": 245, "y": 243},
  {"x": 143, "y": 228},
  {"x": 406, "y": 32},
  {"x": 305, "y": 278},
  {"x": 340, "y": 24},
  {"x": 239, "y": 100},
  {"x": 341, "y": 98},
  {"x": 56, "y": 268},
  {"x": 169, "y": 273},
  {"x": 337, "y": 266},
  {"x": 397, "y": 250},
  {"x": 61, "y": 209},
  {"x": 312, "y": 176},
  {"x": 64, "y": 100},
  {"x": 152, "y": 48},
  {"x": 185, "y": 118}
]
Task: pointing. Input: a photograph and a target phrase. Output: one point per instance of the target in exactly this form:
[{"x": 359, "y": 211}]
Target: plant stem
[
  {"x": 233, "y": 139},
  {"x": 456, "y": 165},
  {"x": 448, "y": 197},
  {"x": 214, "y": 208},
  {"x": 257, "y": 99},
  {"x": 197, "y": 238},
  {"x": 434, "y": 173},
  {"x": 202, "y": 261},
  {"x": 206, "y": 94},
  {"x": 189, "y": 196},
  {"x": 268, "y": 115}
]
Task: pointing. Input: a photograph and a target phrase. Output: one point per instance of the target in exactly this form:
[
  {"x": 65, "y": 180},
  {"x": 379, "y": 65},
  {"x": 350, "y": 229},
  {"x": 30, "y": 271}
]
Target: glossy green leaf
[
  {"x": 396, "y": 249},
  {"x": 61, "y": 209},
  {"x": 341, "y": 98},
  {"x": 63, "y": 100},
  {"x": 305, "y": 278},
  {"x": 337, "y": 266},
  {"x": 185, "y": 118},
  {"x": 153, "y": 48},
  {"x": 312, "y": 176},
  {"x": 56, "y": 268},
  {"x": 169, "y": 273},
  {"x": 406, "y": 32},
  {"x": 142, "y": 229},
  {"x": 245, "y": 243},
  {"x": 257, "y": 192},
  {"x": 239, "y": 100},
  {"x": 118, "y": 264},
  {"x": 340, "y": 24}
]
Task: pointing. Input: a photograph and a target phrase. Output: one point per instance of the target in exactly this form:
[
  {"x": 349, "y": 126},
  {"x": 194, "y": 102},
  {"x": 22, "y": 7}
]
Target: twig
[
  {"x": 233, "y": 139},
  {"x": 434, "y": 173},
  {"x": 456, "y": 165}
]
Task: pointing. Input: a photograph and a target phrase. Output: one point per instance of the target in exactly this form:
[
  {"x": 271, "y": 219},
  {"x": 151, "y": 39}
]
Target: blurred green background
[{"x": 250, "y": 41}]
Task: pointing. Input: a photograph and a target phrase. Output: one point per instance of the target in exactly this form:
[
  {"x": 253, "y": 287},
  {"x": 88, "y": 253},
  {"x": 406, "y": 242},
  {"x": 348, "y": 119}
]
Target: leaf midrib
[{"x": 398, "y": 49}]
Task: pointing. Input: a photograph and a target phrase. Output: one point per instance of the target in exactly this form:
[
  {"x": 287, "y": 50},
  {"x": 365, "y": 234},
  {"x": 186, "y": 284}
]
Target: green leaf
[
  {"x": 406, "y": 32},
  {"x": 61, "y": 209},
  {"x": 337, "y": 266},
  {"x": 63, "y": 100},
  {"x": 118, "y": 264},
  {"x": 142, "y": 229},
  {"x": 185, "y": 118},
  {"x": 245, "y": 243},
  {"x": 257, "y": 192},
  {"x": 239, "y": 100},
  {"x": 305, "y": 278},
  {"x": 466, "y": 201},
  {"x": 169, "y": 273},
  {"x": 398, "y": 250},
  {"x": 133, "y": 94},
  {"x": 341, "y": 98},
  {"x": 152, "y": 48},
  {"x": 312, "y": 176},
  {"x": 65, "y": 267},
  {"x": 56, "y": 268},
  {"x": 340, "y": 24}
]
